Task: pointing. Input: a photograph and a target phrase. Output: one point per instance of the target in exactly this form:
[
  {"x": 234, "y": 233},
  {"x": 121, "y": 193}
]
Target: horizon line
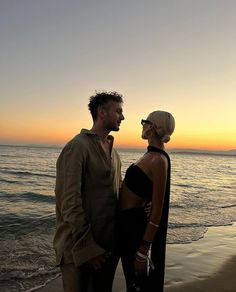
[{"x": 122, "y": 147}]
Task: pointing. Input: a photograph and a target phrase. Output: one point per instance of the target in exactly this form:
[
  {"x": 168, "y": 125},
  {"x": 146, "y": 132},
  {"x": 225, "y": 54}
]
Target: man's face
[{"x": 113, "y": 116}]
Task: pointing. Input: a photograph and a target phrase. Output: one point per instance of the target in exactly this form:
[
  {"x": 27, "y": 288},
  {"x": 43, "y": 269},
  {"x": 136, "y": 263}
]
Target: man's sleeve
[{"x": 72, "y": 210}]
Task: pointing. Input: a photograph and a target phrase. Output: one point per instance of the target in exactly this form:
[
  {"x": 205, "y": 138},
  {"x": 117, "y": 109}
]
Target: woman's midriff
[{"x": 128, "y": 199}]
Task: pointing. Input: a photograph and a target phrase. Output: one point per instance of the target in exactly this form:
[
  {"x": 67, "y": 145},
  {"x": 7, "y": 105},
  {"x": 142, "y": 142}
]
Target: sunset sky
[{"x": 174, "y": 55}]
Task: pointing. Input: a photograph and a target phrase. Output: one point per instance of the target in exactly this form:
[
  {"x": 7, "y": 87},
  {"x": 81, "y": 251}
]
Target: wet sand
[{"x": 207, "y": 265}]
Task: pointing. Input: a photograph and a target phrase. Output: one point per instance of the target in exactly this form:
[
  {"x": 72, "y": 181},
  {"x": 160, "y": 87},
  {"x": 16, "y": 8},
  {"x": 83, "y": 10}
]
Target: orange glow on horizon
[
  {"x": 127, "y": 137},
  {"x": 120, "y": 142}
]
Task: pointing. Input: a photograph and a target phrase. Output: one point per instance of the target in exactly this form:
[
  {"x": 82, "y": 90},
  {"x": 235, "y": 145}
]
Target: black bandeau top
[{"x": 138, "y": 182}]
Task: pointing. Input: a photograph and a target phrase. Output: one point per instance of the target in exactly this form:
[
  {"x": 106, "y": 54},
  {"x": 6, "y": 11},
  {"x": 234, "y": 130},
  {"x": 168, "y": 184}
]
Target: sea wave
[
  {"x": 15, "y": 226},
  {"x": 10, "y": 181},
  {"x": 44, "y": 284},
  {"x": 26, "y": 173},
  {"x": 185, "y": 234},
  {"x": 178, "y": 206},
  {"x": 199, "y": 225},
  {"x": 27, "y": 274},
  {"x": 28, "y": 196},
  {"x": 27, "y": 280},
  {"x": 229, "y": 206}
]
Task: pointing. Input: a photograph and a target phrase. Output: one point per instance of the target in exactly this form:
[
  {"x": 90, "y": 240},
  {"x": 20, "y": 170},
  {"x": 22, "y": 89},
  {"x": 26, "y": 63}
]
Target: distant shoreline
[
  {"x": 131, "y": 149},
  {"x": 216, "y": 153}
]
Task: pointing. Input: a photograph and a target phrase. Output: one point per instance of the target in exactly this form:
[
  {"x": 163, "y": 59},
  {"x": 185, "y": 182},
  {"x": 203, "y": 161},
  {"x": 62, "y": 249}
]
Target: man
[{"x": 87, "y": 184}]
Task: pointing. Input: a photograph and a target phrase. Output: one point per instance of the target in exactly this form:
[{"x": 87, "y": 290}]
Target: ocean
[{"x": 203, "y": 194}]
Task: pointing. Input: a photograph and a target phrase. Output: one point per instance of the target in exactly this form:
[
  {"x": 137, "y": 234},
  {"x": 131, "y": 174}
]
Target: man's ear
[{"x": 101, "y": 112}]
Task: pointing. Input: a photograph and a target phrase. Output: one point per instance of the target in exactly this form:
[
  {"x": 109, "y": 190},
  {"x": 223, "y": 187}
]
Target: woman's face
[{"x": 147, "y": 128}]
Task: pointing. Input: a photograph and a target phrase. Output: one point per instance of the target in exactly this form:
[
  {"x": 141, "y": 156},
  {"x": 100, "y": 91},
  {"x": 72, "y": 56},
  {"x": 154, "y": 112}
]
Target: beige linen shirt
[{"x": 87, "y": 186}]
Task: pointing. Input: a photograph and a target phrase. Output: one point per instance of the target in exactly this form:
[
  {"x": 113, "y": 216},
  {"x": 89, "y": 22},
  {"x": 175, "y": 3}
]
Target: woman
[{"x": 141, "y": 235}]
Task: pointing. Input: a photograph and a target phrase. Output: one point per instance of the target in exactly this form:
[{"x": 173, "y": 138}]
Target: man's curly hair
[{"x": 101, "y": 99}]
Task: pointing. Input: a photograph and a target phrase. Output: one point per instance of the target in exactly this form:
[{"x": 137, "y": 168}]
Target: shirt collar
[
  {"x": 87, "y": 132},
  {"x": 91, "y": 133}
]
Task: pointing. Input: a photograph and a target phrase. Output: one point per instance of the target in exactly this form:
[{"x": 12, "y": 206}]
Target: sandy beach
[{"x": 207, "y": 265}]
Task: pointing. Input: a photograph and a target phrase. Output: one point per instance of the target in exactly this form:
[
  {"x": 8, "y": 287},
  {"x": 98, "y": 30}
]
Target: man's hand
[{"x": 97, "y": 262}]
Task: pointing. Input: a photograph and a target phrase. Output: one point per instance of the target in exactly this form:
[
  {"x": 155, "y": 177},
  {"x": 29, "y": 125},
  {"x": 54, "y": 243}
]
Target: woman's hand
[{"x": 140, "y": 266}]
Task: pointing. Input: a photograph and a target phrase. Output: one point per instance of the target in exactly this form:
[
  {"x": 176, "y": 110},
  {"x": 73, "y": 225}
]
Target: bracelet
[
  {"x": 146, "y": 243},
  {"x": 141, "y": 255},
  {"x": 153, "y": 224},
  {"x": 139, "y": 260},
  {"x": 143, "y": 258}
]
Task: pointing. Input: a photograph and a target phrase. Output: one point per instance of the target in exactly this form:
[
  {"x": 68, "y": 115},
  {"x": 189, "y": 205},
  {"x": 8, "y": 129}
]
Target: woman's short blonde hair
[{"x": 164, "y": 124}]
